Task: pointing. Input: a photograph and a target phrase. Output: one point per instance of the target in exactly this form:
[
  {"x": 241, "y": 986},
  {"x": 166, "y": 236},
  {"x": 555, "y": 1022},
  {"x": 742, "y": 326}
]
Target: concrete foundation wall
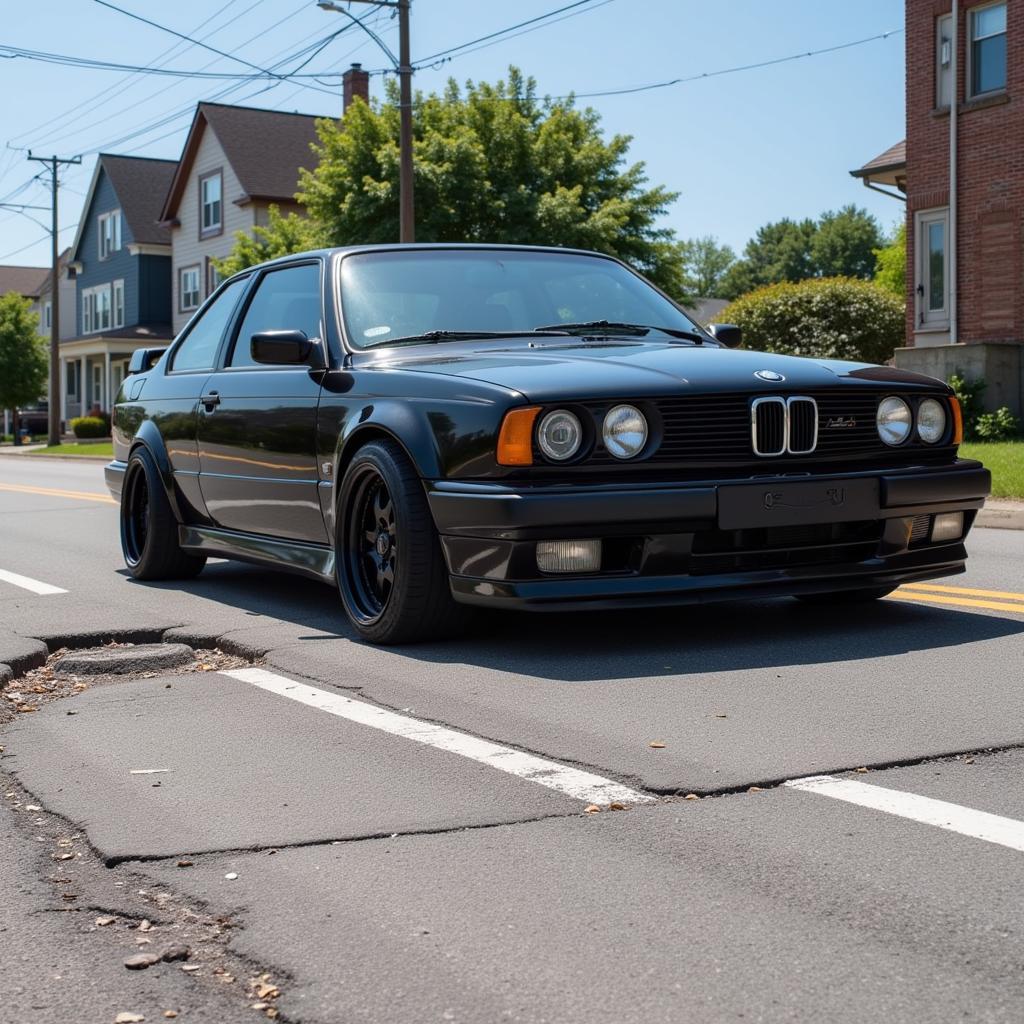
[{"x": 1000, "y": 366}]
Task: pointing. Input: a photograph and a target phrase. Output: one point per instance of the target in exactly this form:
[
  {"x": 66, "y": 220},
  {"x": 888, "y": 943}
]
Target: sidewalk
[{"x": 1001, "y": 514}]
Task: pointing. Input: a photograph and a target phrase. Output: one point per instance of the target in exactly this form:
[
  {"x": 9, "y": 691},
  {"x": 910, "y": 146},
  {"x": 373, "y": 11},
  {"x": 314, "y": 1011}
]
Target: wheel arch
[{"x": 149, "y": 438}]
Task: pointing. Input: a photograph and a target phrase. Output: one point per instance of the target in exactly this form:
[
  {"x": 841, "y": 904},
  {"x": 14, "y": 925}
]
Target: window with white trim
[
  {"x": 97, "y": 308},
  {"x": 943, "y": 60},
  {"x": 188, "y": 288},
  {"x": 210, "y": 204},
  {"x": 932, "y": 268},
  {"x": 118, "y": 303},
  {"x": 986, "y": 54},
  {"x": 109, "y": 233},
  {"x": 47, "y": 315}
]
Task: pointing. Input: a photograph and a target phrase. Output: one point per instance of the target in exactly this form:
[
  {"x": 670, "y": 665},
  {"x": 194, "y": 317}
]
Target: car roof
[{"x": 424, "y": 246}]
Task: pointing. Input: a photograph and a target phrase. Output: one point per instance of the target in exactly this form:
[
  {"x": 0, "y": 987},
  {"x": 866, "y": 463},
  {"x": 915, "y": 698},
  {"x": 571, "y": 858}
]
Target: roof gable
[
  {"x": 140, "y": 185},
  {"x": 26, "y": 281},
  {"x": 265, "y": 148}
]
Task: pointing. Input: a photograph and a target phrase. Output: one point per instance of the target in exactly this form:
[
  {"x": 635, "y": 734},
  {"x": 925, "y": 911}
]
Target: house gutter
[{"x": 953, "y": 105}]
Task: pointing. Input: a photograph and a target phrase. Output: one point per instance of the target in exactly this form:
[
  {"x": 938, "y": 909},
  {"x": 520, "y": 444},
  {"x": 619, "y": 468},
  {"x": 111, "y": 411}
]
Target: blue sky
[{"x": 742, "y": 148}]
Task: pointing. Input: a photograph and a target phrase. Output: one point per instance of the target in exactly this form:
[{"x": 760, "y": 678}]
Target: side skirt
[{"x": 313, "y": 560}]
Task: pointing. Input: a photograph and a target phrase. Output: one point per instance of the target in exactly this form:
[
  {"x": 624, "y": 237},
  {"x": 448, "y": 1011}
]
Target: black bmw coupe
[{"x": 436, "y": 427}]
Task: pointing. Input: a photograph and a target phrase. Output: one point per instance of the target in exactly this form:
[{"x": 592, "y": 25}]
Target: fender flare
[{"x": 148, "y": 436}]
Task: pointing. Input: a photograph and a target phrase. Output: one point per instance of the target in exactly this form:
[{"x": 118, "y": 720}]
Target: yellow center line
[
  {"x": 57, "y": 492},
  {"x": 1008, "y": 595},
  {"x": 963, "y": 602}
]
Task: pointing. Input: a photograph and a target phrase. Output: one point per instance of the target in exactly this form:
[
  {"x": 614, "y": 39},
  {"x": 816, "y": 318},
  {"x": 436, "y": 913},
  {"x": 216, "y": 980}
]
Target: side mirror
[
  {"x": 144, "y": 359},
  {"x": 728, "y": 335},
  {"x": 286, "y": 348}
]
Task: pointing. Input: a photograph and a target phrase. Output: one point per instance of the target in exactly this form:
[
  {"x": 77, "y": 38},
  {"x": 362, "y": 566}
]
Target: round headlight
[
  {"x": 624, "y": 431},
  {"x": 931, "y": 421},
  {"x": 560, "y": 435},
  {"x": 894, "y": 420}
]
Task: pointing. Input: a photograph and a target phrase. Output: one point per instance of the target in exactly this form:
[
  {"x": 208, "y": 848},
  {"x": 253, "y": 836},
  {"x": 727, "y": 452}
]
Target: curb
[
  {"x": 1001, "y": 515},
  {"x": 60, "y": 458}
]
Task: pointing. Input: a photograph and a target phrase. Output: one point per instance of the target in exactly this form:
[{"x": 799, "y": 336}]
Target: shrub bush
[
  {"x": 89, "y": 426},
  {"x": 1000, "y": 425},
  {"x": 827, "y": 318}
]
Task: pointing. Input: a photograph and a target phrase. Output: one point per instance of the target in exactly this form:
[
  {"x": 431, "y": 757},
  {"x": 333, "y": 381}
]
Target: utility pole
[
  {"x": 53, "y": 403},
  {"x": 403, "y": 65}
]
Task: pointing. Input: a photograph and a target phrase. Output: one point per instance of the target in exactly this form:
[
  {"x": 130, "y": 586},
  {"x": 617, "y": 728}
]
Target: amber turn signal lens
[
  {"x": 958, "y": 421},
  {"x": 515, "y": 442}
]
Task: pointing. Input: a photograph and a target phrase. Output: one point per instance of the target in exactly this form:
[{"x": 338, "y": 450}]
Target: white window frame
[
  {"x": 971, "y": 15},
  {"x": 109, "y": 233},
  {"x": 98, "y": 308},
  {"x": 195, "y": 270},
  {"x": 47, "y": 315},
  {"x": 926, "y": 318},
  {"x": 98, "y": 397},
  {"x": 117, "y": 303},
  {"x": 214, "y": 227},
  {"x": 943, "y": 60}
]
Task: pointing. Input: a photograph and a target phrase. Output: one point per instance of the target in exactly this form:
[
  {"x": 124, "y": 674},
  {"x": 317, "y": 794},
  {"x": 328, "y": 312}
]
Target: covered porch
[{"x": 93, "y": 367}]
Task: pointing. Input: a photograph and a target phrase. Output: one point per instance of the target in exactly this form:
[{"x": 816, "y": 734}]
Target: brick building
[{"x": 965, "y": 231}]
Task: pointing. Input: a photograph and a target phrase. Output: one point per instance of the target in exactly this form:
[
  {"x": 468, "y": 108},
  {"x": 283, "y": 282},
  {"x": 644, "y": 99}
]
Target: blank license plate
[{"x": 747, "y": 506}]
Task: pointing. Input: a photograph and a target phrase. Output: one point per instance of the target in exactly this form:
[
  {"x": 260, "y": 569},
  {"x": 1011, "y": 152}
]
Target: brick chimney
[{"x": 355, "y": 84}]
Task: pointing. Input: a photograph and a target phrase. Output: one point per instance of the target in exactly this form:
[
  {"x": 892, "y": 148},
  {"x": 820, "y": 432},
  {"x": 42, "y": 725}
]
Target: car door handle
[{"x": 210, "y": 400}]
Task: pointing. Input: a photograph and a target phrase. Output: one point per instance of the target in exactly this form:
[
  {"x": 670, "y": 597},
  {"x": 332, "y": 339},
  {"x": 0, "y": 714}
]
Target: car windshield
[{"x": 396, "y": 296}]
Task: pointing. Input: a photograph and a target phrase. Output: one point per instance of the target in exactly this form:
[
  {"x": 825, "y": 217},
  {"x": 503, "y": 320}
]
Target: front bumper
[{"x": 670, "y": 543}]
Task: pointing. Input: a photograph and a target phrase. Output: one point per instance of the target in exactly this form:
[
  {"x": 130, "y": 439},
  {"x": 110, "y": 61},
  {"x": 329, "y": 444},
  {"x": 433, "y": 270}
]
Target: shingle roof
[
  {"x": 141, "y": 185},
  {"x": 27, "y": 281},
  {"x": 892, "y": 159},
  {"x": 265, "y": 148}
]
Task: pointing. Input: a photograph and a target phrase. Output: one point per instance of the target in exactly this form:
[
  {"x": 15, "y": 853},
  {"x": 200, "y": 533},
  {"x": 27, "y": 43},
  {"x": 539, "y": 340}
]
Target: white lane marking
[
  {"x": 27, "y": 583},
  {"x": 952, "y": 817},
  {"x": 571, "y": 781}
]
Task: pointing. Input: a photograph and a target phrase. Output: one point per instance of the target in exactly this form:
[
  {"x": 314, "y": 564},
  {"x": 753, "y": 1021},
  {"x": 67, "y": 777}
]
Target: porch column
[
  {"x": 107, "y": 398},
  {"x": 83, "y": 387},
  {"x": 63, "y": 393}
]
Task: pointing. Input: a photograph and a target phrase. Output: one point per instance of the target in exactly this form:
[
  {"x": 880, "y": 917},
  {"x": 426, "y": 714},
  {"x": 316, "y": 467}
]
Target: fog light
[
  {"x": 569, "y": 555},
  {"x": 948, "y": 526}
]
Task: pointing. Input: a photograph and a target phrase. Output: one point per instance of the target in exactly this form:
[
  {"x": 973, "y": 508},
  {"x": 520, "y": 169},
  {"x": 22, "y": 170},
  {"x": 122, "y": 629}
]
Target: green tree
[
  {"x": 825, "y": 318},
  {"x": 844, "y": 244},
  {"x": 705, "y": 263},
  {"x": 891, "y": 263},
  {"x": 23, "y": 362},
  {"x": 780, "y": 251},
  {"x": 493, "y": 163}
]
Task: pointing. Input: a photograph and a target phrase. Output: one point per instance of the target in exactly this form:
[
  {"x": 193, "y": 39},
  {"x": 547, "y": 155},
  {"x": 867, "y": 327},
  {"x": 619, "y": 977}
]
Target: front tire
[
  {"x": 149, "y": 529},
  {"x": 391, "y": 572}
]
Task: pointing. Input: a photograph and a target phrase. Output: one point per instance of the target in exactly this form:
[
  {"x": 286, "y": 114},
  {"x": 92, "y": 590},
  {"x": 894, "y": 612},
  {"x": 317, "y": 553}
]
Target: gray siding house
[{"x": 121, "y": 264}]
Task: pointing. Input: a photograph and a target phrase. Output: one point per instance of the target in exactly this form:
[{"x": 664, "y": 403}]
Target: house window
[
  {"x": 210, "y": 204},
  {"x": 97, "y": 309},
  {"x": 97, "y": 384},
  {"x": 213, "y": 277},
  {"x": 118, "y": 301},
  {"x": 110, "y": 233},
  {"x": 47, "y": 315},
  {"x": 71, "y": 381},
  {"x": 987, "y": 54},
  {"x": 188, "y": 289},
  {"x": 943, "y": 60},
  {"x": 932, "y": 271}
]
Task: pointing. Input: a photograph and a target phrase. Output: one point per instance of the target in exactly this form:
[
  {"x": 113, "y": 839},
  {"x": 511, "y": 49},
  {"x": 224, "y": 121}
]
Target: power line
[
  {"x": 434, "y": 57},
  {"x": 728, "y": 71}
]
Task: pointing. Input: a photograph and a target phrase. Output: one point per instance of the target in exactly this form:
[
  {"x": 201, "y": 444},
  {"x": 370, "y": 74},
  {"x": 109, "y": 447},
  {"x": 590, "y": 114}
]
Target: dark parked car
[{"x": 436, "y": 427}]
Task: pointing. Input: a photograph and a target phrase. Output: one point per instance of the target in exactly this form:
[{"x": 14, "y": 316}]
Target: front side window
[
  {"x": 198, "y": 351},
  {"x": 988, "y": 49},
  {"x": 391, "y": 295},
  {"x": 188, "y": 289},
  {"x": 210, "y": 203},
  {"x": 285, "y": 300},
  {"x": 109, "y": 233}
]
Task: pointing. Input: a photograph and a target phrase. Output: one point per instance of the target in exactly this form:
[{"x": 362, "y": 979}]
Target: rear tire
[
  {"x": 847, "y": 596},
  {"x": 391, "y": 572},
  {"x": 149, "y": 529}
]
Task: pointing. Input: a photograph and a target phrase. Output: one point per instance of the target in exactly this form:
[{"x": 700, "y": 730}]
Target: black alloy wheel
[
  {"x": 149, "y": 528},
  {"x": 391, "y": 572}
]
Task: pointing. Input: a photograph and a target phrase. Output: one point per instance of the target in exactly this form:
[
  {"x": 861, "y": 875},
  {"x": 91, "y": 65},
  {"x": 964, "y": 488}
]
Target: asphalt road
[{"x": 401, "y": 835}]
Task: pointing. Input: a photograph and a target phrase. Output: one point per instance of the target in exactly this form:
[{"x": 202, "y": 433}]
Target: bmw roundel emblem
[{"x": 775, "y": 378}]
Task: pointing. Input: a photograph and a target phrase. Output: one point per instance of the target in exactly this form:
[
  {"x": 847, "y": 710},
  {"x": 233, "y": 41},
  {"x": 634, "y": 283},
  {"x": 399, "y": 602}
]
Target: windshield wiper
[
  {"x": 611, "y": 327},
  {"x": 438, "y": 336}
]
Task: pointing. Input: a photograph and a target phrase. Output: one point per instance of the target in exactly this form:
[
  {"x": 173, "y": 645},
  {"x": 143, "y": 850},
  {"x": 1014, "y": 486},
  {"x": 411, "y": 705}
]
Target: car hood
[{"x": 574, "y": 368}]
